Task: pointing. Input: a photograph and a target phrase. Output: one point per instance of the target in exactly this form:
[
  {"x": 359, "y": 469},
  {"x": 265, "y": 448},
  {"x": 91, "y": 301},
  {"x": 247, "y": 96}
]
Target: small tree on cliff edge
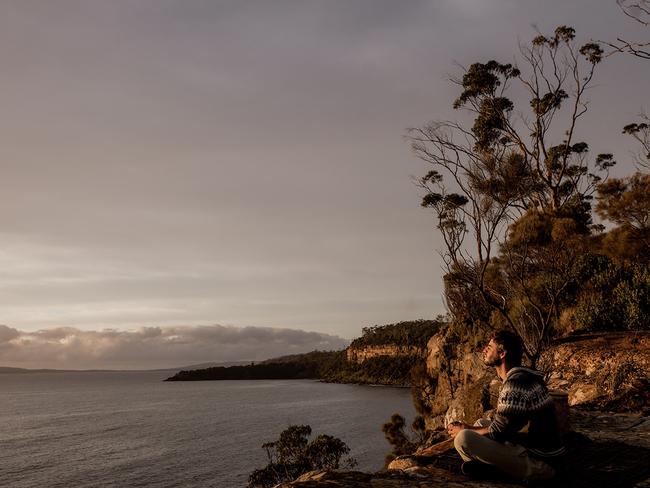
[
  {"x": 293, "y": 454},
  {"x": 512, "y": 201},
  {"x": 402, "y": 442}
]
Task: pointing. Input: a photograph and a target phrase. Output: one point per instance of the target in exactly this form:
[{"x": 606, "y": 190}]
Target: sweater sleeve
[{"x": 511, "y": 413}]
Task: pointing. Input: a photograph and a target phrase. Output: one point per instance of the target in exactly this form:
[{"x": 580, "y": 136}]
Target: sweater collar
[{"x": 517, "y": 370}]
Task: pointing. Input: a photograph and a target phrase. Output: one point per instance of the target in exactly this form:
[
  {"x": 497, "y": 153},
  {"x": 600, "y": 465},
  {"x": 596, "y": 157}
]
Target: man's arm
[
  {"x": 504, "y": 426},
  {"x": 455, "y": 427}
]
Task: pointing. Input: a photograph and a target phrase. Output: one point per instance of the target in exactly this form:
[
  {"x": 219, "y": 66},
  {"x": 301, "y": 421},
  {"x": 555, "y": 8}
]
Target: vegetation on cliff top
[
  {"x": 312, "y": 365},
  {"x": 414, "y": 333},
  {"x": 512, "y": 197},
  {"x": 333, "y": 366}
]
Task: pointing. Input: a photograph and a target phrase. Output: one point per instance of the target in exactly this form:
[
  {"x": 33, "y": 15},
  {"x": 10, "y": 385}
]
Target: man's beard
[{"x": 493, "y": 362}]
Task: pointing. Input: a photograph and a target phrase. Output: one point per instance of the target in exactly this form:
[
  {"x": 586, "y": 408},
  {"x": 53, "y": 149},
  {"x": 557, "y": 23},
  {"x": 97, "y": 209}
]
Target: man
[{"x": 523, "y": 401}]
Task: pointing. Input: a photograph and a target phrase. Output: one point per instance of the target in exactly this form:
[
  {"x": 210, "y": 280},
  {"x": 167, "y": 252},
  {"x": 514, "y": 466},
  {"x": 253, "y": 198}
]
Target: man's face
[{"x": 492, "y": 354}]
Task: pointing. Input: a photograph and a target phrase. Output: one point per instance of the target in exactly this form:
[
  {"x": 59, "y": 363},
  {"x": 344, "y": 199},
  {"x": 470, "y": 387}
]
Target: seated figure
[{"x": 524, "y": 401}]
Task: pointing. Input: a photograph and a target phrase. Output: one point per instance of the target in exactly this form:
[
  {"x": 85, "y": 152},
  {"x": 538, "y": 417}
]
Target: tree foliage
[
  {"x": 512, "y": 201},
  {"x": 311, "y": 365},
  {"x": 613, "y": 295},
  {"x": 640, "y": 131},
  {"x": 408, "y": 333},
  {"x": 293, "y": 454},
  {"x": 401, "y": 441},
  {"x": 626, "y": 202}
]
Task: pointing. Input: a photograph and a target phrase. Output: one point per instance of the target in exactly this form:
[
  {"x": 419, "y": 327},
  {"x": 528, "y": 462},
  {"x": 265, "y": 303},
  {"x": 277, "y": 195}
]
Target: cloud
[
  {"x": 153, "y": 347},
  {"x": 7, "y": 334}
]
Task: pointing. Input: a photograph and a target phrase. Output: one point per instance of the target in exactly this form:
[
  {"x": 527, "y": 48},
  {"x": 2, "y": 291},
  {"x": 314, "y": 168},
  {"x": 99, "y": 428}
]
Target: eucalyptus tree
[
  {"x": 640, "y": 131},
  {"x": 511, "y": 190}
]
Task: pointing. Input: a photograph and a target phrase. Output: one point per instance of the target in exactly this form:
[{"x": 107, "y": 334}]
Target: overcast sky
[{"x": 178, "y": 164}]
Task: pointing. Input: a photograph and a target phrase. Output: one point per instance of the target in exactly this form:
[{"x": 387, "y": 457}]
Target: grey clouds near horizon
[
  {"x": 243, "y": 162},
  {"x": 154, "y": 347}
]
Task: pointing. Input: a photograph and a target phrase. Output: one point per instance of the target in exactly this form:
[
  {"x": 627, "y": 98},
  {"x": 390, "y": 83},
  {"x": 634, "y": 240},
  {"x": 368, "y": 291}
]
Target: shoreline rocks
[{"x": 608, "y": 449}]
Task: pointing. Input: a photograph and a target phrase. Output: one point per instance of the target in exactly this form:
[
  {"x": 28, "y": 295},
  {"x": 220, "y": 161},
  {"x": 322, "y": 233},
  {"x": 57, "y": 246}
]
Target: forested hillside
[
  {"x": 409, "y": 333},
  {"x": 333, "y": 365}
]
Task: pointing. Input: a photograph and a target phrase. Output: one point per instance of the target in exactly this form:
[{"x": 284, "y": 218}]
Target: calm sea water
[{"x": 97, "y": 430}]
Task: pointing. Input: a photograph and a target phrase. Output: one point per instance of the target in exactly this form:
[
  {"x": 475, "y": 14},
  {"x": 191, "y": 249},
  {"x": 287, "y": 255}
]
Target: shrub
[
  {"x": 401, "y": 442},
  {"x": 292, "y": 455},
  {"x": 615, "y": 296}
]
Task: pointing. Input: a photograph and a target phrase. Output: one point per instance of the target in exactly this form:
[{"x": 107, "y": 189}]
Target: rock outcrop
[
  {"x": 608, "y": 371},
  {"x": 356, "y": 479},
  {"x": 459, "y": 386},
  {"x": 605, "y": 450}
]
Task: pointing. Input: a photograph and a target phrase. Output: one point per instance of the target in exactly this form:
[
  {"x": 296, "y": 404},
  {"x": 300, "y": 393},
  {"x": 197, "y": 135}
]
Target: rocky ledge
[
  {"x": 604, "y": 371},
  {"x": 606, "y": 450}
]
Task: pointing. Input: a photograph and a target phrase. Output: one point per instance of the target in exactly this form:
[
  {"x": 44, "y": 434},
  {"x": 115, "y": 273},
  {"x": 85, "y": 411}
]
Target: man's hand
[{"x": 455, "y": 427}]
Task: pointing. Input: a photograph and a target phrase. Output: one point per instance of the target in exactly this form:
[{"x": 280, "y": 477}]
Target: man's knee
[{"x": 465, "y": 440}]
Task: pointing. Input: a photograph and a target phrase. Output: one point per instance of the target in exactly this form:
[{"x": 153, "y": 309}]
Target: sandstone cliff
[
  {"x": 361, "y": 354},
  {"x": 608, "y": 371}
]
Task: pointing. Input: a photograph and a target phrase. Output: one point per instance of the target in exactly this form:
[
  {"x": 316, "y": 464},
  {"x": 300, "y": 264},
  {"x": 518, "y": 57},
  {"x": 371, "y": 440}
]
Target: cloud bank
[{"x": 153, "y": 347}]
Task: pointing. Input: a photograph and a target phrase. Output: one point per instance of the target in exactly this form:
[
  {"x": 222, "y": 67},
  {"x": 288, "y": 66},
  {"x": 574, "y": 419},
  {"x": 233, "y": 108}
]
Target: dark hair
[{"x": 509, "y": 342}]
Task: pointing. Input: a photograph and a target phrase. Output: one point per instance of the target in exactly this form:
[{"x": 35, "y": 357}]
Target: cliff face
[
  {"x": 360, "y": 354},
  {"x": 608, "y": 371},
  {"x": 459, "y": 385}
]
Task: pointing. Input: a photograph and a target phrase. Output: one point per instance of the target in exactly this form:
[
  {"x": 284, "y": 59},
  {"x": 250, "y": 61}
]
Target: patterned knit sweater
[{"x": 524, "y": 401}]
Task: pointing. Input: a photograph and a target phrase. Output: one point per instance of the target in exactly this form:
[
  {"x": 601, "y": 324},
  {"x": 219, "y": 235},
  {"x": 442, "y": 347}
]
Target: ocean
[{"x": 131, "y": 429}]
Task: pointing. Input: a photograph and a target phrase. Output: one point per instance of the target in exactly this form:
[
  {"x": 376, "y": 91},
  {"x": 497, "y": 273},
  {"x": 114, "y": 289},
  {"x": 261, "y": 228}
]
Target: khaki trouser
[{"x": 510, "y": 458}]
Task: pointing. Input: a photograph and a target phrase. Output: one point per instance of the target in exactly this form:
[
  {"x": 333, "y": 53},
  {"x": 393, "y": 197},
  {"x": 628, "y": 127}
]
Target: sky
[{"x": 188, "y": 181}]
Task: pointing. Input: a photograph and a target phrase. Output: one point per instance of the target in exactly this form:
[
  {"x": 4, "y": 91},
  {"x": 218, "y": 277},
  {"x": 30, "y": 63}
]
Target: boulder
[{"x": 402, "y": 463}]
